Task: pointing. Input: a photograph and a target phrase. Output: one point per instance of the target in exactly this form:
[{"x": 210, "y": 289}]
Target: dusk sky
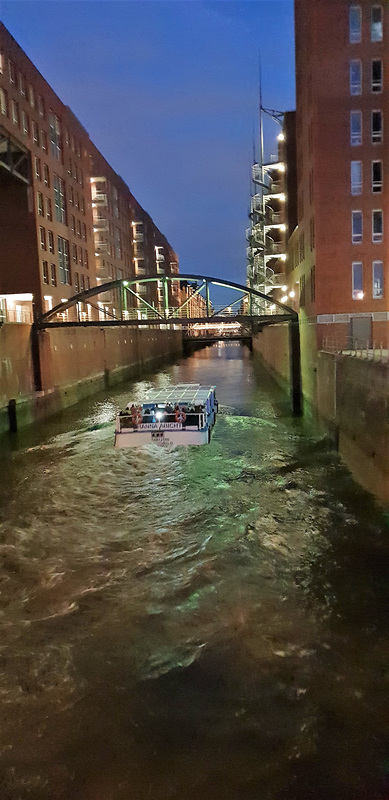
[{"x": 168, "y": 91}]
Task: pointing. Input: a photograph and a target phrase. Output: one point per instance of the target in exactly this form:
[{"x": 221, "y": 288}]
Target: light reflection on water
[{"x": 207, "y": 621}]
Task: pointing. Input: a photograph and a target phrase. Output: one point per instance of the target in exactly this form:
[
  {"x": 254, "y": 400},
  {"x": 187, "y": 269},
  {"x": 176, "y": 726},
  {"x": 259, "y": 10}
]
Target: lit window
[
  {"x": 378, "y": 279},
  {"x": 3, "y": 103},
  {"x": 53, "y": 272},
  {"x": 355, "y": 76},
  {"x": 357, "y": 280},
  {"x": 356, "y": 127},
  {"x": 355, "y": 20},
  {"x": 377, "y": 226},
  {"x": 356, "y": 227},
  {"x": 376, "y": 176},
  {"x": 376, "y": 24},
  {"x": 45, "y": 272},
  {"x": 376, "y": 75},
  {"x": 356, "y": 177}
]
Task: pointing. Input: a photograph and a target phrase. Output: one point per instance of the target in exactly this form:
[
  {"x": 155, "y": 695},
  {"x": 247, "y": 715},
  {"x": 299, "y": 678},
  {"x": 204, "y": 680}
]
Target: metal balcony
[
  {"x": 138, "y": 236},
  {"x": 273, "y": 188},
  {"x": 100, "y": 225},
  {"x": 257, "y": 204},
  {"x": 159, "y": 257}
]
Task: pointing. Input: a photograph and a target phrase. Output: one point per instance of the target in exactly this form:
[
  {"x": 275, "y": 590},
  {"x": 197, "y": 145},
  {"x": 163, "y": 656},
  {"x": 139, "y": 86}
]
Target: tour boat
[{"x": 183, "y": 414}]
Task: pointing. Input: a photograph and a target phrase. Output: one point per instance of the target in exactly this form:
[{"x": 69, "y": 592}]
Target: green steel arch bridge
[{"x": 250, "y": 306}]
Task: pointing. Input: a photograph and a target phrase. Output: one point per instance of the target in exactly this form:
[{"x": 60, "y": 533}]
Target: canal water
[{"x": 204, "y": 623}]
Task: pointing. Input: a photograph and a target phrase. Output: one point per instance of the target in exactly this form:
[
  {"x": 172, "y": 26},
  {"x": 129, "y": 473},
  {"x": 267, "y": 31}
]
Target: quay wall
[
  {"x": 74, "y": 363},
  {"x": 351, "y": 396}
]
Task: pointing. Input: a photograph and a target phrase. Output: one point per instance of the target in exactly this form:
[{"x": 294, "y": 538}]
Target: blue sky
[{"x": 168, "y": 91}]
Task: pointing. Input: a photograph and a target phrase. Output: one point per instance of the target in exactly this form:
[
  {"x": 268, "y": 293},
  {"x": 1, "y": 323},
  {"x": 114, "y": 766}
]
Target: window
[
  {"x": 39, "y": 203},
  {"x": 72, "y": 223},
  {"x": 42, "y": 238},
  {"x": 376, "y": 24},
  {"x": 81, "y": 176},
  {"x": 53, "y": 274},
  {"x": 356, "y": 227},
  {"x": 378, "y": 279},
  {"x": 1, "y": 63},
  {"x": 46, "y": 175},
  {"x": 376, "y": 75},
  {"x": 74, "y": 254},
  {"x": 376, "y": 127},
  {"x": 82, "y": 283},
  {"x": 55, "y": 136},
  {"x": 81, "y": 256},
  {"x": 49, "y": 211},
  {"x": 357, "y": 280},
  {"x": 31, "y": 96},
  {"x": 35, "y": 133},
  {"x": 3, "y": 103},
  {"x": 376, "y": 176},
  {"x": 25, "y": 124},
  {"x": 63, "y": 258},
  {"x": 82, "y": 204},
  {"x": 71, "y": 196},
  {"x": 15, "y": 112},
  {"x": 76, "y": 283},
  {"x": 79, "y": 228},
  {"x": 44, "y": 141},
  {"x": 86, "y": 260},
  {"x": 356, "y": 127},
  {"x": 355, "y": 76},
  {"x": 87, "y": 282},
  {"x": 41, "y": 106},
  {"x": 50, "y": 238},
  {"x": 377, "y": 226},
  {"x": 84, "y": 231},
  {"x": 22, "y": 84},
  {"x": 355, "y": 22},
  {"x": 37, "y": 163},
  {"x": 45, "y": 272},
  {"x": 11, "y": 71},
  {"x": 77, "y": 201},
  {"x": 59, "y": 200},
  {"x": 356, "y": 177}
]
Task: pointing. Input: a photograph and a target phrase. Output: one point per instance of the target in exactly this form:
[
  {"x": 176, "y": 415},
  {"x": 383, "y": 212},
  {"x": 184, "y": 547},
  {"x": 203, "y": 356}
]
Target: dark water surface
[{"x": 205, "y": 623}]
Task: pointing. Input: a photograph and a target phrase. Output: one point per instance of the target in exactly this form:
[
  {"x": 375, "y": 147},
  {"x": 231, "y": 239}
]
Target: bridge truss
[{"x": 199, "y": 307}]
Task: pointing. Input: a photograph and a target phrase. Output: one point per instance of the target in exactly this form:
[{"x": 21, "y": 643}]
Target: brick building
[
  {"x": 337, "y": 256},
  {"x": 67, "y": 220}
]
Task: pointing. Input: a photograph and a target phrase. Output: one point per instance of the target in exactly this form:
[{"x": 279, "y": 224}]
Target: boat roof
[{"x": 191, "y": 393}]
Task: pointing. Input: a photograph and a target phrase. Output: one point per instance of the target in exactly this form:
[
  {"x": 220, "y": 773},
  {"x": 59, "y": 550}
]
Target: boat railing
[{"x": 193, "y": 418}]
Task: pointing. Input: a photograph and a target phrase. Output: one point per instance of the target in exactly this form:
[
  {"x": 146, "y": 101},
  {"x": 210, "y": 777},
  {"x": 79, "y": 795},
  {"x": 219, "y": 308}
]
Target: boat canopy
[{"x": 192, "y": 394}]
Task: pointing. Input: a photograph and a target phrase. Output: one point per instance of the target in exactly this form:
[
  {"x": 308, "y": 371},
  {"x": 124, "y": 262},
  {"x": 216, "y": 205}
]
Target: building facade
[
  {"x": 67, "y": 221},
  {"x": 337, "y": 256}
]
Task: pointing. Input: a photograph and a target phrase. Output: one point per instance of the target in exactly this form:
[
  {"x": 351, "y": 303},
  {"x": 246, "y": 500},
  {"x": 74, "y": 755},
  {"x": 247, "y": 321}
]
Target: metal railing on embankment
[{"x": 368, "y": 350}]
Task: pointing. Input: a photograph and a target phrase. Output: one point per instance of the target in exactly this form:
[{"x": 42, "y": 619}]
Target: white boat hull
[{"x": 163, "y": 438}]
